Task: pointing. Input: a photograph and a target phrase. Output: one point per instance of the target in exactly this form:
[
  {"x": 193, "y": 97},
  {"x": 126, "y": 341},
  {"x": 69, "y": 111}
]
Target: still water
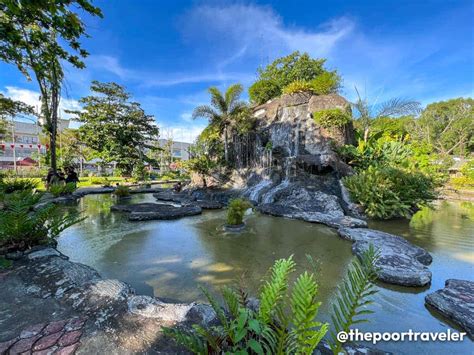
[{"x": 168, "y": 259}]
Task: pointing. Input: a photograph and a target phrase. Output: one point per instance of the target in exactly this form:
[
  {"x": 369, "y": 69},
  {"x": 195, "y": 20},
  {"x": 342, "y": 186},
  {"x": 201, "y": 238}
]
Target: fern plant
[
  {"x": 62, "y": 189},
  {"x": 284, "y": 323},
  {"x": 10, "y": 185},
  {"x": 353, "y": 296},
  {"x": 285, "y": 320},
  {"x": 22, "y": 226}
]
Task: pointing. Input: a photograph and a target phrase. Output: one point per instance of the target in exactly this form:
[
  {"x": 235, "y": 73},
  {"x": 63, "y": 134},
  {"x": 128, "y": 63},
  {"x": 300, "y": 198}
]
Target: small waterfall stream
[{"x": 254, "y": 192}]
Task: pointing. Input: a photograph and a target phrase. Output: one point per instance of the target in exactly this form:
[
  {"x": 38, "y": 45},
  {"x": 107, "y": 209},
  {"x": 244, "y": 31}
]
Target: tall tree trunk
[
  {"x": 226, "y": 145},
  {"x": 54, "y": 117}
]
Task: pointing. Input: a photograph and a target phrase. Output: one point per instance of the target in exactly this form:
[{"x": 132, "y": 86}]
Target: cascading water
[
  {"x": 269, "y": 196},
  {"x": 254, "y": 192}
]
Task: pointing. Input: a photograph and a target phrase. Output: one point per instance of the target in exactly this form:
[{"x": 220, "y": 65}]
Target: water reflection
[{"x": 169, "y": 259}]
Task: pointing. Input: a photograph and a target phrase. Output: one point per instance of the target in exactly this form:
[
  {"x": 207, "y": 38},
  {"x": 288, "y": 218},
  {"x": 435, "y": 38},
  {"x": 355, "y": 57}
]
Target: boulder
[
  {"x": 155, "y": 211},
  {"x": 208, "y": 204},
  {"x": 171, "y": 196},
  {"x": 333, "y": 221},
  {"x": 400, "y": 262},
  {"x": 456, "y": 302}
]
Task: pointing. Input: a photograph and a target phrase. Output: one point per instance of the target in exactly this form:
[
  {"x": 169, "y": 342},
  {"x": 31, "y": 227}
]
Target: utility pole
[{"x": 13, "y": 140}]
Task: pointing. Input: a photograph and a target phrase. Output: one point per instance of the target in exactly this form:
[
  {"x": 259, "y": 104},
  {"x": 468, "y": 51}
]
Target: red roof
[{"x": 27, "y": 162}]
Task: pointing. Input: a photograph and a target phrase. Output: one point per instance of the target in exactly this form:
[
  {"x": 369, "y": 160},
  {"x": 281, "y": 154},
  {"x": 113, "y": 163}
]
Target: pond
[{"x": 169, "y": 259}]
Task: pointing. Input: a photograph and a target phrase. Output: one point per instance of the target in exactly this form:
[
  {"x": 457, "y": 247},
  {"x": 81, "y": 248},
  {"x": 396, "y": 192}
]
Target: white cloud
[
  {"x": 186, "y": 116},
  {"x": 259, "y": 31},
  {"x": 32, "y": 98}
]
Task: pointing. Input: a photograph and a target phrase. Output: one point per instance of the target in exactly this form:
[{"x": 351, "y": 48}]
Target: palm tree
[
  {"x": 390, "y": 108},
  {"x": 223, "y": 110}
]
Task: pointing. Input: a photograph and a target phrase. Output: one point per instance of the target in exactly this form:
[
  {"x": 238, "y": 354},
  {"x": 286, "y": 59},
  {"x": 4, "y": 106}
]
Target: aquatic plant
[
  {"x": 285, "y": 321},
  {"x": 122, "y": 191},
  {"x": 236, "y": 211},
  {"x": 23, "y": 226}
]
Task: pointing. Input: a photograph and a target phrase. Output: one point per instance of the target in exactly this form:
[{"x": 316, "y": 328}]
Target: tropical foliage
[
  {"x": 386, "y": 192},
  {"x": 225, "y": 109},
  {"x": 296, "y": 67},
  {"x": 60, "y": 189},
  {"x": 285, "y": 320},
  {"x": 332, "y": 118},
  {"x": 23, "y": 226},
  {"x": 366, "y": 113},
  {"x": 236, "y": 211},
  {"x": 354, "y": 295},
  {"x": 9, "y": 185}
]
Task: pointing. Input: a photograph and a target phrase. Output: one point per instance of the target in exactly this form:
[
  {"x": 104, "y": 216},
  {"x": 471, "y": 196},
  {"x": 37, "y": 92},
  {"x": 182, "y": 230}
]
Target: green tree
[
  {"x": 116, "y": 128},
  {"x": 71, "y": 149},
  {"x": 448, "y": 126},
  {"x": 367, "y": 113},
  {"x": 200, "y": 160},
  {"x": 10, "y": 108},
  {"x": 224, "y": 109},
  {"x": 37, "y": 37},
  {"x": 286, "y": 70}
]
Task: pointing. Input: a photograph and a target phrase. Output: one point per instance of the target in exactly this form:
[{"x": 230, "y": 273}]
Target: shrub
[
  {"x": 10, "y": 185},
  {"x": 466, "y": 180},
  {"x": 298, "y": 86},
  {"x": 285, "y": 70},
  {"x": 236, "y": 211},
  {"x": 386, "y": 192},
  {"x": 331, "y": 118},
  {"x": 263, "y": 90},
  {"x": 122, "y": 191},
  {"x": 139, "y": 172},
  {"x": 285, "y": 322},
  {"x": 326, "y": 83},
  {"x": 62, "y": 189},
  {"x": 23, "y": 226}
]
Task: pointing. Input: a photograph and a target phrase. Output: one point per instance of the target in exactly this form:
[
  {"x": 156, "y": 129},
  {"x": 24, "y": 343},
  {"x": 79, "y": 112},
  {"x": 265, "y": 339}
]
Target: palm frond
[
  {"x": 218, "y": 100},
  {"x": 232, "y": 95},
  {"x": 304, "y": 311},
  {"x": 188, "y": 339},
  {"x": 204, "y": 111},
  {"x": 398, "y": 107},
  {"x": 274, "y": 289},
  {"x": 352, "y": 297}
]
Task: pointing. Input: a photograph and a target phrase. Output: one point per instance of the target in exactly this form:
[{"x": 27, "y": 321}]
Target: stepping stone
[
  {"x": 400, "y": 262},
  {"x": 456, "y": 302}
]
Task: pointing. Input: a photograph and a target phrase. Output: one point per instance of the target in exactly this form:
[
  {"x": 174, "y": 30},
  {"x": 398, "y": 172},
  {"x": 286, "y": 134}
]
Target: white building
[{"x": 22, "y": 141}]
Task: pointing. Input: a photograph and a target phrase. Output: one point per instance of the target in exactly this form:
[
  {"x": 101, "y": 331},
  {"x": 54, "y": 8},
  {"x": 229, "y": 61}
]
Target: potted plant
[{"x": 235, "y": 214}]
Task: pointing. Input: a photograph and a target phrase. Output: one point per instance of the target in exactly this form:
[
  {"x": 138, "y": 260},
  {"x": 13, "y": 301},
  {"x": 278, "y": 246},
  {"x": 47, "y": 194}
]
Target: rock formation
[{"x": 456, "y": 302}]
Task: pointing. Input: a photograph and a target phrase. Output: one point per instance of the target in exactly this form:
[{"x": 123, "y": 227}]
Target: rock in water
[
  {"x": 400, "y": 262},
  {"x": 156, "y": 211},
  {"x": 456, "y": 302}
]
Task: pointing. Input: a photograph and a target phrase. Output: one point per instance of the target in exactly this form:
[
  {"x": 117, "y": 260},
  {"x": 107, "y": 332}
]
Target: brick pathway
[{"x": 58, "y": 337}]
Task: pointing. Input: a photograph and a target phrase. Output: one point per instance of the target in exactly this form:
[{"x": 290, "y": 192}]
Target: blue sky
[{"x": 167, "y": 53}]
